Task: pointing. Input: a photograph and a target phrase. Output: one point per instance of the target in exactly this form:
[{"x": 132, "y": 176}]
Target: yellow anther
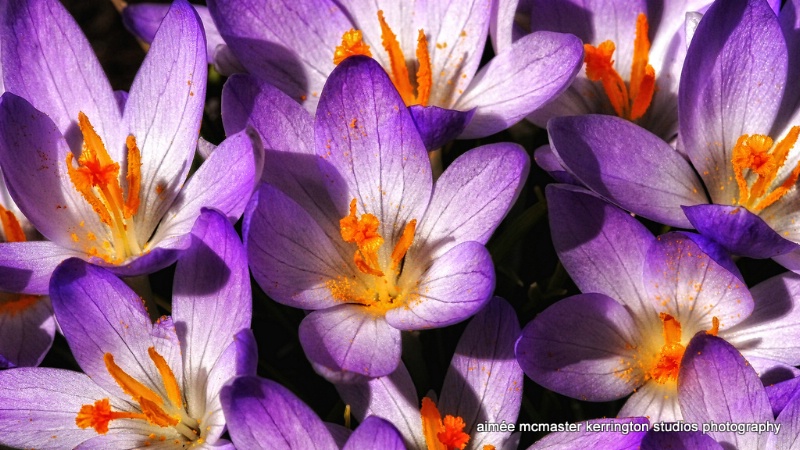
[
  {"x": 399, "y": 70},
  {"x": 757, "y": 154},
  {"x": 352, "y": 44}
]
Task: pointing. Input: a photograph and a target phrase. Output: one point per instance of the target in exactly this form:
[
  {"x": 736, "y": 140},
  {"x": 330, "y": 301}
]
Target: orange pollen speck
[
  {"x": 96, "y": 178},
  {"x": 352, "y": 44},
  {"x": 399, "y": 70},
  {"x": 152, "y": 407},
  {"x": 757, "y": 154},
  {"x": 629, "y": 101},
  {"x": 447, "y": 434},
  {"x": 12, "y": 230}
]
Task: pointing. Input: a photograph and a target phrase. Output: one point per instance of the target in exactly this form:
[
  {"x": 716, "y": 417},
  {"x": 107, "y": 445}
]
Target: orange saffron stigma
[
  {"x": 399, "y": 70},
  {"x": 12, "y": 230},
  {"x": 96, "y": 178},
  {"x": 668, "y": 364},
  {"x": 364, "y": 233},
  {"x": 352, "y": 44},
  {"x": 447, "y": 434},
  {"x": 629, "y": 102},
  {"x": 757, "y": 154}
]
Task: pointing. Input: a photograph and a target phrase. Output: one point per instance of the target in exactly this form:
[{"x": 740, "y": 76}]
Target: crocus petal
[
  {"x": 617, "y": 440},
  {"x": 223, "y": 182},
  {"x": 290, "y": 255},
  {"x": 289, "y": 44},
  {"x": 738, "y": 230},
  {"x": 164, "y": 255},
  {"x": 576, "y": 346},
  {"x": 164, "y": 109},
  {"x": 25, "y": 334},
  {"x": 549, "y": 162},
  {"x": 789, "y": 420},
  {"x": 438, "y": 126},
  {"x": 533, "y": 71},
  {"x": 143, "y": 20},
  {"x": 36, "y": 176},
  {"x": 471, "y": 198},
  {"x": 716, "y": 384},
  {"x": 772, "y": 331},
  {"x": 99, "y": 314},
  {"x": 627, "y": 165},
  {"x": 393, "y": 398},
  {"x": 602, "y": 247},
  {"x": 47, "y": 60},
  {"x": 370, "y": 147},
  {"x": 780, "y": 394},
  {"x": 261, "y": 411},
  {"x": 39, "y": 407},
  {"x": 455, "y": 287},
  {"x": 349, "y": 338},
  {"x": 375, "y": 432},
  {"x": 733, "y": 79},
  {"x": 679, "y": 439},
  {"x": 501, "y": 26},
  {"x": 484, "y": 381},
  {"x": 27, "y": 266},
  {"x": 211, "y": 292},
  {"x": 680, "y": 278},
  {"x": 658, "y": 402}
]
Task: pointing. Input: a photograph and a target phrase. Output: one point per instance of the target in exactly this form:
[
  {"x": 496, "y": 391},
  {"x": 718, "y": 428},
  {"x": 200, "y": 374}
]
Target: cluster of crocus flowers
[
  {"x": 103, "y": 175},
  {"x": 357, "y": 232}
]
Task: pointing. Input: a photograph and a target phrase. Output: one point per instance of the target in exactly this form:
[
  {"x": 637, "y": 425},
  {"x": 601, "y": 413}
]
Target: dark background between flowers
[{"x": 528, "y": 272}]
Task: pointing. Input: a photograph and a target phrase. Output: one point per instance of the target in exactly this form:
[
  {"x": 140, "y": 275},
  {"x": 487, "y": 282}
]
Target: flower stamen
[
  {"x": 12, "y": 230},
  {"x": 399, "y": 70},
  {"x": 442, "y": 434},
  {"x": 352, "y": 44},
  {"x": 757, "y": 154}
]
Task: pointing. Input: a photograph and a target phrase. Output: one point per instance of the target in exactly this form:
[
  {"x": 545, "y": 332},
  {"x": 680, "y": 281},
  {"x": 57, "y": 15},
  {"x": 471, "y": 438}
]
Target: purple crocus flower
[
  {"x": 355, "y": 230},
  {"x": 27, "y": 325},
  {"x": 644, "y": 297},
  {"x": 634, "y": 55},
  {"x": 261, "y": 411},
  {"x": 103, "y": 178},
  {"x": 145, "y": 384},
  {"x": 721, "y": 397},
  {"x": 482, "y": 390},
  {"x": 295, "y": 47},
  {"x": 735, "y": 95}
]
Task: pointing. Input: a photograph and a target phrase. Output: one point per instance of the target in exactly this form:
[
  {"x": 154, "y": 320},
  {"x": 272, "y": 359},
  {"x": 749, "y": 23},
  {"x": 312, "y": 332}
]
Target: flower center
[
  {"x": 631, "y": 101},
  {"x": 756, "y": 154},
  {"x": 442, "y": 434},
  {"x": 96, "y": 177},
  {"x": 668, "y": 362},
  {"x": 378, "y": 289},
  {"x": 153, "y": 409},
  {"x": 352, "y": 44}
]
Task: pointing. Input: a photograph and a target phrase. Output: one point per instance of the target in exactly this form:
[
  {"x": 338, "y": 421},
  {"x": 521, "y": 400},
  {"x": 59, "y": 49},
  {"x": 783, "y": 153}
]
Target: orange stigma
[
  {"x": 757, "y": 154},
  {"x": 12, "y": 230},
  {"x": 152, "y": 407},
  {"x": 352, "y": 44},
  {"x": 668, "y": 364},
  {"x": 629, "y": 102},
  {"x": 399, "y": 70},
  {"x": 96, "y": 177},
  {"x": 442, "y": 434}
]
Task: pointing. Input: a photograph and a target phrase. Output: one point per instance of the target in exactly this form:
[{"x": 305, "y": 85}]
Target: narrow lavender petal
[
  {"x": 143, "y": 20},
  {"x": 25, "y": 335},
  {"x": 627, "y": 165},
  {"x": 536, "y": 69},
  {"x": 27, "y": 266},
  {"x": 618, "y": 440},
  {"x": 289, "y": 44},
  {"x": 455, "y": 286},
  {"x": 484, "y": 381},
  {"x": 602, "y": 247},
  {"x": 780, "y": 394},
  {"x": 772, "y": 331},
  {"x": 350, "y": 339},
  {"x": 167, "y": 252},
  {"x": 501, "y": 26},
  {"x": 547, "y": 159},
  {"x": 211, "y": 299},
  {"x": 339, "y": 433},
  {"x": 290, "y": 255},
  {"x": 37, "y": 180},
  {"x": 471, "y": 198},
  {"x": 375, "y": 432},
  {"x": 738, "y": 230},
  {"x": 683, "y": 280},
  {"x": 579, "y": 347},
  {"x": 438, "y": 126},
  {"x": 163, "y": 112},
  {"x": 716, "y": 383},
  {"x": 223, "y": 182},
  {"x": 733, "y": 79},
  {"x": 261, "y": 411},
  {"x": 789, "y": 19},
  {"x": 370, "y": 149},
  {"x": 47, "y": 59}
]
